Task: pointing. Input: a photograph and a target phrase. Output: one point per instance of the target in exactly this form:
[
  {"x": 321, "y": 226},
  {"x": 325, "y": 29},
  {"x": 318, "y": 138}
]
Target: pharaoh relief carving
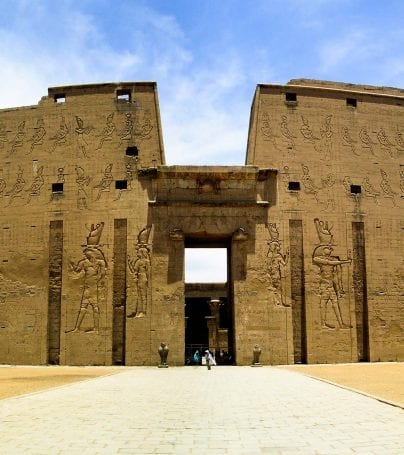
[
  {"x": 330, "y": 280},
  {"x": 91, "y": 269},
  {"x": 140, "y": 268},
  {"x": 276, "y": 263},
  {"x": 105, "y": 183},
  {"x": 82, "y": 181}
]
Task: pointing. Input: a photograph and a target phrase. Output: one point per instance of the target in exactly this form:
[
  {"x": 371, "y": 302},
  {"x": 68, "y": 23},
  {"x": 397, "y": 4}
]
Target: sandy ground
[
  {"x": 384, "y": 380},
  {"x": 26, "y": 379}
]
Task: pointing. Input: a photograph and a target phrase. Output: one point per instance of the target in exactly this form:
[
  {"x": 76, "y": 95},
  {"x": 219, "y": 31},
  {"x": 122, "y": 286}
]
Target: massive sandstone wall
[
  {"x": 74, "y": 188},
  {"x": 339, "y": 150}
]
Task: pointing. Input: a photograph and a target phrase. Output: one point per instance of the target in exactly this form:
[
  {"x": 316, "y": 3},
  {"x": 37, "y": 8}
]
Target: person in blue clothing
[{"x": 197, "y": 357}]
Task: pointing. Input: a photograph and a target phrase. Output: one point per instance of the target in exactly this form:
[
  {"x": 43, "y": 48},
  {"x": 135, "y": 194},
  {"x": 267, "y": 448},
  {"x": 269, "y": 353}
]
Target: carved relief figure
[
  {"x": 386, "y": 188},
  {"x": 61, "y": 175},
  {"x": 95, "y": 232},
  {"x": 307, "y": 133},
  {"x": 402, "y": 182},
  {"x": 384, "y": 141},
  {"x": 18, "y": 138},
  {"x": 366, "y": 140},
  {"x": 39, "y": 134},
  {"x": 144, "y": 128},
  {"x": 105, "y": 182},
  {"x": 308, "y": 183},
  {"x": 348, "y": 141},
  {"x": 92, "y": 269},
  {"x": 330, "y": 273},
  {"x": 399, "y": 139},
  {"x": 140, "y": 268},
  {"x": 326, "y": 136},
  {"x": 267, "y": 131},
  {"x": 3, "y": 135},
  {"x": 327, "y": 187},
  {"x": 37, "y": 184},
  {"x": 16, "y": 190},
  {"x": 107, "y": 132},
  {"x": 276, "y": 263},
  {"x": 81, "y": 132},
  {"x": 370, "y": 190},
  {"x": 82, "y": 181},
  {"x": 126, "y": 134},
  {"x": 60, "y": 136},
  {"x": 286, "y": 133},
  {"x": 3, "y": 185}
]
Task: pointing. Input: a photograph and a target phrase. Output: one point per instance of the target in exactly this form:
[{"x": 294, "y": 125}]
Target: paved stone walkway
[{"x": 233, "y": 410}]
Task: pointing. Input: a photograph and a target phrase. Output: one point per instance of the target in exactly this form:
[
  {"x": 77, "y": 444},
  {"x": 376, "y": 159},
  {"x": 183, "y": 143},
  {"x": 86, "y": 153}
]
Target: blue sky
[{"x": 206, "y": 56}]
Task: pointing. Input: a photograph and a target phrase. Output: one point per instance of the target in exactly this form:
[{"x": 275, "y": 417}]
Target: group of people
[{"x": 209, "y": 359}]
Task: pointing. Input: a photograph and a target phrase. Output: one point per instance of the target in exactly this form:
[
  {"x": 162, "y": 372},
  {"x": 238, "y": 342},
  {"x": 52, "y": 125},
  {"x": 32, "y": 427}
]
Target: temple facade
[{"x": 94, "y": 226}]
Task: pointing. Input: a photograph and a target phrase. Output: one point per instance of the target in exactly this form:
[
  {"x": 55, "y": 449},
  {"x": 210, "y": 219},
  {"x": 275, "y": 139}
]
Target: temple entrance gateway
[{"x": 208, "y": 306}]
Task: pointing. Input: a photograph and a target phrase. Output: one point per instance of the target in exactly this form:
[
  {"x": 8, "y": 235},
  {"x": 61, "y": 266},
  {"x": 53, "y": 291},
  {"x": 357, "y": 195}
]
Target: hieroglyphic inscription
[
  {"x": 55, "y": 289},
  {"x": 360, "y": 290},
  {"x": 297, "y": 290},
  {"x": 119, "y": 292}
]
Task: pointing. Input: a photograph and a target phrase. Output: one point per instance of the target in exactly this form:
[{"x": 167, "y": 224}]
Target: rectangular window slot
[
  {"x": 132, "y": 151},
  {"x": 57, "y": 187},
  {"x": 5, "y": 260},
  {"x": 356, "y": 189},
  {"x": 351, "y": 102},
  {"x": 59, "y": 98},
  {"x": 121, "y": 185},
  {"x": 294, "y": 186},
  {"x": 124, "y": 95},
  {"x": 290, "y": 97},
  {"x": 6, "y": 227}
]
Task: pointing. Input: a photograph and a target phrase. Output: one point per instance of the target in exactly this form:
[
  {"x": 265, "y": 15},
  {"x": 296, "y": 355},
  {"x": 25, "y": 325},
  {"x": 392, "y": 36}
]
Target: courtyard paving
[{"x": 232, "y": 410}]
